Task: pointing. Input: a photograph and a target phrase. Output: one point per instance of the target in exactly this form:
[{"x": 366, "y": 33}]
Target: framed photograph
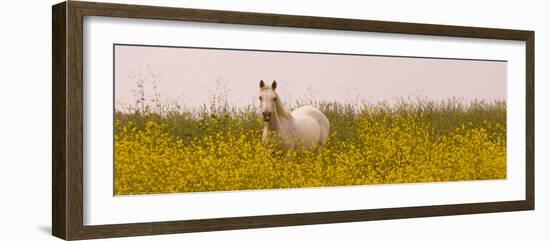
[{"x": 171, "y": 120}]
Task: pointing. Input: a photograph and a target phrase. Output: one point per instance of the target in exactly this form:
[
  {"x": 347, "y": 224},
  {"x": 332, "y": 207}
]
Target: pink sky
[{"x": 190, "y": 75}]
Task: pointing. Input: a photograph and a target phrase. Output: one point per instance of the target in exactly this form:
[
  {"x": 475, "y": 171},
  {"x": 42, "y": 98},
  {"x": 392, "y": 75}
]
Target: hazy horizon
[{"x": 190, "y": 76}]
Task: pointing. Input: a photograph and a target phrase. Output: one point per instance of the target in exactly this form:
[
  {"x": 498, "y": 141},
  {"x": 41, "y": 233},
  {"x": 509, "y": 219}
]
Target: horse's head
[{"x": 268, "y": 98}]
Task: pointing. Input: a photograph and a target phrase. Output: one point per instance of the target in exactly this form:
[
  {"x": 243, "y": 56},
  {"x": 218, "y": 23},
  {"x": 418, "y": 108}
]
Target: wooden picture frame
[{"x": 67, "y": 123}]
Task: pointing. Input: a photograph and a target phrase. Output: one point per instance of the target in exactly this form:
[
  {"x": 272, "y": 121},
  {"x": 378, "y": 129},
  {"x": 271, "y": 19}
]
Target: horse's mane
[{"x": 281, "y": 109}]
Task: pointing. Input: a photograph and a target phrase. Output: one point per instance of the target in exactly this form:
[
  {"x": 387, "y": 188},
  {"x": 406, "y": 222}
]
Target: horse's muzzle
[{"x": 266, "y": 115}]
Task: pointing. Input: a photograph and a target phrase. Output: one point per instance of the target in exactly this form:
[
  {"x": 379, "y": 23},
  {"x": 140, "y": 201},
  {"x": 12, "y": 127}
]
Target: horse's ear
[
  {"x": 262, "y": 84},
  {"x": 274, "y": 85}
]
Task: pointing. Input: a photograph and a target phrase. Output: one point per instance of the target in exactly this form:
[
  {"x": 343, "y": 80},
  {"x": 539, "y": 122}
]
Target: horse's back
[{"x": 318, "y": 117}]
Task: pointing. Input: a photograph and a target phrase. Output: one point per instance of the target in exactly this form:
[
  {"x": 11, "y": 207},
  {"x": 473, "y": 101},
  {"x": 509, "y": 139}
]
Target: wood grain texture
[
  {"x": 74, "y": 152},
  {"x": 67, "y": 155},
  {"x": 280, "y": 20},
  {"x": 530, "y": 120},
  {"x": 58, "y": 121},
  {"x": 154, "y": 228}
]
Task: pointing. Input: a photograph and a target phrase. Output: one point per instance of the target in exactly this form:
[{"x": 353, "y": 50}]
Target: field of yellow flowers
[{"x": 220, "y": 150}]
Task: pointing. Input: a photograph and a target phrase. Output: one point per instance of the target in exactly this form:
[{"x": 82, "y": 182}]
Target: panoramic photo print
[{"x": 201, "y": 119}]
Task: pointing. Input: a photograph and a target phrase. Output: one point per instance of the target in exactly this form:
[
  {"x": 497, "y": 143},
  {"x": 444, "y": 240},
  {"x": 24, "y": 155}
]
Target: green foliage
[{"x": 219, "y": 149}]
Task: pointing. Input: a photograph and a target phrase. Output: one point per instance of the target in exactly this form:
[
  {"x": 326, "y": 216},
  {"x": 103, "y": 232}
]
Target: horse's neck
[
  {"x": 281, "y": 118},
  {"x": 281, "y": 110},
  {"x": 274, "y": 123}
]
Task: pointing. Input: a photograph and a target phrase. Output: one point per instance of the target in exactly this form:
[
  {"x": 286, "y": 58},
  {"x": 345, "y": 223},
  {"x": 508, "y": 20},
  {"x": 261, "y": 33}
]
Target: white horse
[{"x": 305, "y": 127}]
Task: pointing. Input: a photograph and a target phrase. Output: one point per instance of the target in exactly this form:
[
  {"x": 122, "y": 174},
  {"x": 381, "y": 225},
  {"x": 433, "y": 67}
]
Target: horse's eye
[
  {"x": 275, "y": 99},
  {"x": 260, "y": 98}
]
